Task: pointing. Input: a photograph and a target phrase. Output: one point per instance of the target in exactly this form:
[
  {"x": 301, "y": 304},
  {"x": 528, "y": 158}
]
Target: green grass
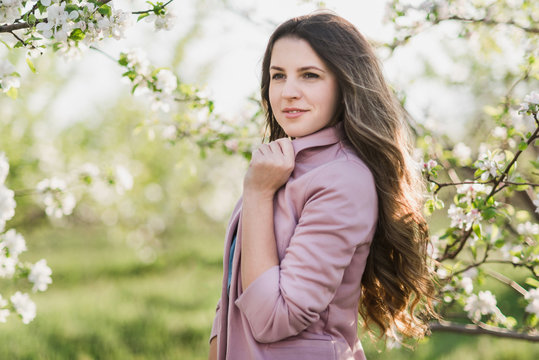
[{"x": 106, "y": 304}]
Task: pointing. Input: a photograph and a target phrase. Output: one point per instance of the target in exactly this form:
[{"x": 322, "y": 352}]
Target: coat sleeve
[
  {"x": 216, "y": 327},
  {"x": 339, "y": 214}
]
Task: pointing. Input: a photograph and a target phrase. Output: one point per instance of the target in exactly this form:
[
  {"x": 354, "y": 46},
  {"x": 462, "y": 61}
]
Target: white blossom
[
  {"x": 508, "y": 250},
  {"x": 7, "y": 266},
  {"x": 14, "y": 242},
  {"x": 162, "y": 22},
  {"x": 500, "y": 132},
  {"x": 115, "y": 25},
  {"x": 461, "y": 219},
  {"x": 462, "y": 152},
  {"x": 9, "y": 10},
  {"x": 467, "y": 284},
  {"x": 429, "y": 165},
  {"x": 6, "y": 68},
  {"x": 490, "y": 163},
  {"x": 7, "y": 205},
  {"x": 533, "y": 298},
  {"x": 124, "y": 179},
  {"x": 472, "y": 190},
  {"x": 521, "y": 122},
  {"x": 4, "y": 168},
  {"x": 169, "y": 132},
  {"x": 482, "y": 304},
  {"x": 89, "y": 169},
  {"x": 528, "y": 229},
  {"x": 40, "y": 275},
  {"x": 532, "y": 98},
  {"x": 57, "y": 200},
  {"x": 166, "y": 81},
  {"x": 45, "y": 29},
  {"x": 536, "y": 204},
  {"x": 8, "y": 78},
  {"x": 4, "y": 313},
  {"x": 161, "y": 101},
  {"x": 24, "y": 306}
]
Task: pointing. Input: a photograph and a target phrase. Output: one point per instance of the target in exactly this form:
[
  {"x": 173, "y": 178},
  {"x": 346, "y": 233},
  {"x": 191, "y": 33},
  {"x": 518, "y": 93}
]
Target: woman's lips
[{"x": 292, "y": 113}]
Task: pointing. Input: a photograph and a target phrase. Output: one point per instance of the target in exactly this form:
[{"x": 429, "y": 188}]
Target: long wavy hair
[{"x": 397, "y": 286}]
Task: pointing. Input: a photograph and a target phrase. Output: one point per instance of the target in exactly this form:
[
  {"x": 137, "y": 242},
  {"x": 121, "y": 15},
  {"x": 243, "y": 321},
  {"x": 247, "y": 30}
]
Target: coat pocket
[{"x": 301, "y": 349}]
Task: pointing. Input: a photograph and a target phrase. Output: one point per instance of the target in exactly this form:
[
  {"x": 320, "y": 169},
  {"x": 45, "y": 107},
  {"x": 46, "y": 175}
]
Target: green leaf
[
  {"x": 533, "y": 320},
  {"x": 522, "y": 146},
  {"x": 13, "y": 93},
  {"x": 77, "y": 35},
  {"x": 71, "y": 7},
  {"x": 142, "y": 16},
  {"x": 439, "y": 204},
  {"x": 123, "y": 59},
  {"x": 31, "y": 65},
  {"x": 429, "y": 207},
  {"x": 18, "y": 45},
  {"x": 532, "y": 282},
  {"x": 105, "y": 10},
  {"x": 477, "y": 229},
  {"x": 510, "y": 322},
  {"x": 489, "y": 213}
]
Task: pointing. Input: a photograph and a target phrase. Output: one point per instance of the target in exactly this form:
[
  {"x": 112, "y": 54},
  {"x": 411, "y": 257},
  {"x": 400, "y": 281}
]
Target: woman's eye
[
  {"x": 277, "y": 76},
  {"x": 311, "y": 75}
]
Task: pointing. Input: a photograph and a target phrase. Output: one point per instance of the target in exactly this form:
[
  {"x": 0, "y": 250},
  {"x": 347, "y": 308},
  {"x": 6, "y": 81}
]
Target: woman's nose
[{"x": 291, "y": 89}]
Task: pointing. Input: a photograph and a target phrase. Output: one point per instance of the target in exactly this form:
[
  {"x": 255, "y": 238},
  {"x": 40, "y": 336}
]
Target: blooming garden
[{"x": 482, "y": 184}]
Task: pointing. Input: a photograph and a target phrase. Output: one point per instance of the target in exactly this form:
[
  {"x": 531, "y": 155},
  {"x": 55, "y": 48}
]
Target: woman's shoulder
[{"x": 344, "y": 173}]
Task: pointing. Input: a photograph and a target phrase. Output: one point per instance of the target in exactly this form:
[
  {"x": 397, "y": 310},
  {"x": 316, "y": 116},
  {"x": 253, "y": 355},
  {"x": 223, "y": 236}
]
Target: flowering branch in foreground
[
  {"x": 480, "y": 224},
  {"x": 12, "y": 244}
]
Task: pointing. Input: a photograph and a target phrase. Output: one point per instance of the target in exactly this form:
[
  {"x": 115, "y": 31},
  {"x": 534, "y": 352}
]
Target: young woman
[{"x": 330, "y": 221}]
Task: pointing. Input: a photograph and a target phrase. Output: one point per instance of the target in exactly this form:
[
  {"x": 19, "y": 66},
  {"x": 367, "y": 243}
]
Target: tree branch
[
  {"x": 488, "y": 22},
  {"x": 512, "y": 162},
  {"x": 504, "y": 279},
  {"x": 149, "y": 10},
  {"x": 462, "y": 241},
  {"x": 482, "y": 329}
]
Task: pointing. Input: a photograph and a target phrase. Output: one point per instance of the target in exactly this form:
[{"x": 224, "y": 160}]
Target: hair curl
[{"x": 397, "y": 283}]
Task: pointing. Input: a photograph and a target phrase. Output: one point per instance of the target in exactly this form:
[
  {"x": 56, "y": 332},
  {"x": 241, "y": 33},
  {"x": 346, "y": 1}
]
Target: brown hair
[{"x": 397, "y": 281}]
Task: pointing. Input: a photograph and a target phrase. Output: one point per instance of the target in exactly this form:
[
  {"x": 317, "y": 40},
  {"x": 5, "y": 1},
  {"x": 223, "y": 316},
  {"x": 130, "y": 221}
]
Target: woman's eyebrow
[{"x": 304, "y": 68}]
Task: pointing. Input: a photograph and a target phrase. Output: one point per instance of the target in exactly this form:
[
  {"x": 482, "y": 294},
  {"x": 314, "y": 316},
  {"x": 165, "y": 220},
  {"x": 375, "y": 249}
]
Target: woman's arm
[
  {"x": 269, "y": 169},
  {"x": 337, "y": 222}
]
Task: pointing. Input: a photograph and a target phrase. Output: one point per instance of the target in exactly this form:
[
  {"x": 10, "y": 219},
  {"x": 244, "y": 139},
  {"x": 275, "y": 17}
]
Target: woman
[{"x": 330, "y": 220}]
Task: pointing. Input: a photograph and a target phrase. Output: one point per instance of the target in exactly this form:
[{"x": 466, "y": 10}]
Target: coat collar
[{"x": 324, "y": 137}]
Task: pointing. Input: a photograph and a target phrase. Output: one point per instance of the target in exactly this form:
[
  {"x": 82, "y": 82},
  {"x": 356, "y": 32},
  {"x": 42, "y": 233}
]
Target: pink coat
[{"x": 306, "y": 307}]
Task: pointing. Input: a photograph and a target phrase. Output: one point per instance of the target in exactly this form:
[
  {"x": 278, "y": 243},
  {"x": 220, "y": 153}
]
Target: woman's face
[{"x": 303, "y": 92}]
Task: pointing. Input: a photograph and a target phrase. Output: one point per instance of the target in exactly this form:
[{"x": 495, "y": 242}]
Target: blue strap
[{"x": 230, "y": 259}]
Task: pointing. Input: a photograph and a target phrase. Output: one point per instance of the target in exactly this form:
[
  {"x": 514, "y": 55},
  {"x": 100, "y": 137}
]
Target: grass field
[{"x": 106, "y": 304}]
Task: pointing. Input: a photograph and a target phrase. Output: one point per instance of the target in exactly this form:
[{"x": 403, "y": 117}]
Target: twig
[
  {"x": 462, "y": 241},
  {"x": 149, "y": 10},
  {"x": 482, "y": 329},
  {"x": 103, "y": 53},
  {"x": 507, "y": 281},
  {"x": 513, "y": 161},
  {"x": 488, "y": 22}
]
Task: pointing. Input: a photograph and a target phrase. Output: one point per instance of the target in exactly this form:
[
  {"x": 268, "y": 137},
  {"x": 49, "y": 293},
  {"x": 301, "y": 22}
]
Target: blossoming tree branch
[
  {"x": 492, "y": 202},
  {"x": 70, "y": 28}
]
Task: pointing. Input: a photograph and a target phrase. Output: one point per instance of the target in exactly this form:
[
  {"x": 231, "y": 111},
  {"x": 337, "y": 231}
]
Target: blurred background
[{"x": 137, "y": 269}]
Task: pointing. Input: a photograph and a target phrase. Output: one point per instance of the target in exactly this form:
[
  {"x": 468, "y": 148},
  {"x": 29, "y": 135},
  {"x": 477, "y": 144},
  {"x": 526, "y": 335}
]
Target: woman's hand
[
  {"x": 270, "y": 167},
  {"x": 213, "y": 349}
]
